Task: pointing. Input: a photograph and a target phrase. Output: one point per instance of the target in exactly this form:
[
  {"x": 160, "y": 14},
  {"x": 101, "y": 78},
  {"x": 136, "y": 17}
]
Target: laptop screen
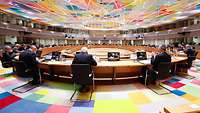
[
  {"x": 141, "y": 55},
  {"x": 113, "y": 56},
  {"x": 47, "y": 57}
]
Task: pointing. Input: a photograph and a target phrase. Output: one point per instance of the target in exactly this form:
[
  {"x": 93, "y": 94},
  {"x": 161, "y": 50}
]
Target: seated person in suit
[
  {"x": 29, "y": 58},
  {"x": 161, "y": 57},
  {"x": 156, "y": 59},
  {"x": 84, "y": 58},
  {"x": 16, "y": 48},
  {"x": 7, "y": 57},
  {"x": 191, "y": 54}
]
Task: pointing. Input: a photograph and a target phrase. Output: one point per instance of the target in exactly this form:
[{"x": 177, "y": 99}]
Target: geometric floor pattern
[{"x": 53, "y": 97}]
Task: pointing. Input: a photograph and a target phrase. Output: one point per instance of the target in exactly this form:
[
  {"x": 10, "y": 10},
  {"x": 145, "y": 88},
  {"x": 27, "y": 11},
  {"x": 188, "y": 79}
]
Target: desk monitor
[
  {"x": 47, "y": 57},
  {"x": 141, "y": 55},
  {"x": 113, "y": 56},
  {"x": 56, "y": 55}
]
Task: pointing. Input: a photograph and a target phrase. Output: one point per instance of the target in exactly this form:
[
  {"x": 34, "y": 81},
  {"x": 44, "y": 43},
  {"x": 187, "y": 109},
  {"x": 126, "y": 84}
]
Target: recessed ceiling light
[{"x": 5, "y": 23}]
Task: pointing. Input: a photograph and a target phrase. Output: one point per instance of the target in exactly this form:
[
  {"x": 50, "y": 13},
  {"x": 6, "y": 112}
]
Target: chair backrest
[
  {"x": 81, "y": 73},
  {"x": 164, "y": 70},
  {"x": 21, "y": 68}
]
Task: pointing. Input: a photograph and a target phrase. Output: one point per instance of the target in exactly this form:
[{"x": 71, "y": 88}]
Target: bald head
[
  {"x": 33, "y": 48},
  {"x": 8, "y": 49},
  {"x": 17, "y": 45},
  {"x": 188, "y": 46},
  {"x": 84, "y": 49}
]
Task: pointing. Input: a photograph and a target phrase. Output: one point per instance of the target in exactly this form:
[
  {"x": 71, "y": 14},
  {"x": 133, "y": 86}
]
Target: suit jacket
[
  {"x": 190, "y": 52},
  {"x": 162, "y": 57},
  {"x": 7, "y": 59},
  {"x": 84, "y": 58},
  {"x": 29, "y": 59}
]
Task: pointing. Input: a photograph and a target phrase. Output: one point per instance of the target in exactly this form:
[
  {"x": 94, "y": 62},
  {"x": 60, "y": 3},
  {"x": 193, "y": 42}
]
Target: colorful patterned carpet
[{"x": 53, "y": 97}]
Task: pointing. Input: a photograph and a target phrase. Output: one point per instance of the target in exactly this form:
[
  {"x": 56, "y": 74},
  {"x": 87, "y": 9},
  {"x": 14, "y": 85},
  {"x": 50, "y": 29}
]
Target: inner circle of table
[{"x": 124, "y": 62}]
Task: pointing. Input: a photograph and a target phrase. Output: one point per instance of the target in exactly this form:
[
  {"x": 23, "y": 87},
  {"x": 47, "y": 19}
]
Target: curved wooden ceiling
[{"x": 102, "y": 14}]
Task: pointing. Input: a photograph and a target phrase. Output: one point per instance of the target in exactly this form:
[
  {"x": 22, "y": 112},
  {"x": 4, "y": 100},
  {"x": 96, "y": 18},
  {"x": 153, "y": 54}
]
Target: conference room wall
[
  {"x": 128, "y": 42},
  {"x": 43, "y": 41}
]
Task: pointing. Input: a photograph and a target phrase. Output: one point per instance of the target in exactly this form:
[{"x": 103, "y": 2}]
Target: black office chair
[
  {"x": 190, "y": 60},
  {"x": 23, "y": 71},
  {"x": 163, "y": 72},
  {"x": 6, "y": 64},
  {"x": 83, "y": 75}
]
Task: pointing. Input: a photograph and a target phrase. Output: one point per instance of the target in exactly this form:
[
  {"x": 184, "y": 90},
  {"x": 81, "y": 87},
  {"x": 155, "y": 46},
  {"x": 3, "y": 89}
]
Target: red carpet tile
[
  {"x": 8, "y": 100},
  {"x": 58, "y": 109},
  {"x": 177, "y": 85}
]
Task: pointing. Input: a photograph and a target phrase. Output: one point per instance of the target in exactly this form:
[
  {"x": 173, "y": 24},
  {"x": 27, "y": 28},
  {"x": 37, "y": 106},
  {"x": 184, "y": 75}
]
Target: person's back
[
  {"x": 29, "y": 58},
  {"x": 162, "y": 57},
  {"x": 156, "y": 60},
  {"x": 84, "y": 58},
  {"x": 7, "y": 57},
  {"x": 190, "y": 54}
]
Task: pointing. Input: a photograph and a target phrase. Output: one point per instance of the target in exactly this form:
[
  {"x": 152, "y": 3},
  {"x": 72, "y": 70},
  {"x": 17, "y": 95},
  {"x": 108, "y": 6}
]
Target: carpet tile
[
  {"x": 139, "y": 98},
  {"x": 26, "y": 106},
  {"x": 34, "y": 97},
  {"x": 57, "y": 109},
  {"x": 8, "y": 100},
  {"x": 53, "y": 97},
  {"x": 81, "y": 110},
  {"x": 177, "y": 85},
  {"x": 178, "y": 92},
  {"x": 197, "y": 82},
  {"x": 84, "y": 103},
  {"x": 193, "y": 90},
  {"x": 173, "y": 80},
  {"x": 190, "y": 97},
  {"x": 115, "y": 106},
  {"x": 5, "y": 94}
]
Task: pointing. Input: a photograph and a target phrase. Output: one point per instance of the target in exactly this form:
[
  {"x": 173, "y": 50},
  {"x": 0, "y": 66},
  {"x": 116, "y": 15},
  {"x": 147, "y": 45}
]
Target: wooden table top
[{"x": 127, "y": 62}]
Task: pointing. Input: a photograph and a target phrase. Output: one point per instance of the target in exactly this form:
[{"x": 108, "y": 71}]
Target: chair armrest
[
  {"x": 27, "y": 70},
  {"x": 91, "y": 74}
]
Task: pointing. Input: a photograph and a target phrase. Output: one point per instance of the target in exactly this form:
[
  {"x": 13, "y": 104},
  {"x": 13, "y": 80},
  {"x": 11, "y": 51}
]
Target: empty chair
[{"x": 82, "y": 74}]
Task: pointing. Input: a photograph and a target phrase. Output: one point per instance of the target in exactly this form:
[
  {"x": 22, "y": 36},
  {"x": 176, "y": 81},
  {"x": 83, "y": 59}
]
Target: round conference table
[{"x": 105, "y": 70}]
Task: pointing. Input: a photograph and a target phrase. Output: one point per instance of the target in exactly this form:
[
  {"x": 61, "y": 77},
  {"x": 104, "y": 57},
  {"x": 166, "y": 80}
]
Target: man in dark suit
[
  {"x": 156, "y": 59},
  {"x": 8, "y": 57},
  {"x": 161, "y": 57},
  {"x": 29, "y": 58},
  {"x": 191, "y": 54},
  {"x": 84, "y": 58}
]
